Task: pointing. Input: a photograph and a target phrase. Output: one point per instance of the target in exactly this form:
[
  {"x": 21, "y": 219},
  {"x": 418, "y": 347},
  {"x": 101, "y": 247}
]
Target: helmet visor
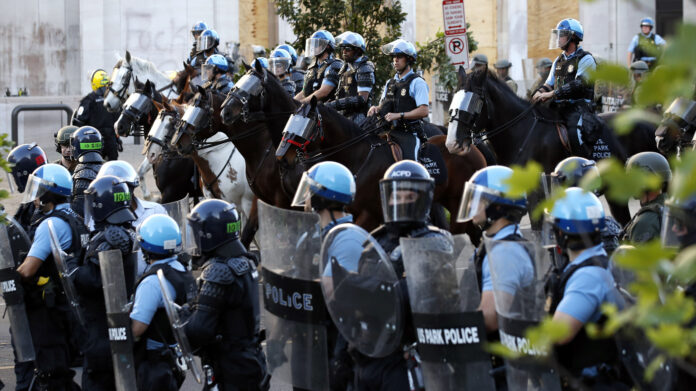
[
  {"x": 205, "y": 42},
  {"x": 35, "y": 188},
  {"x": 683, "y": 109},
  {"x": 192, "y": 239},
  {"x": 279, "y": 65},
  {"x": 406, "y": 200},
  {"x": 677, "y": 228},
  {"x": 305, "y": 190},
  {"x": 315, "y": 46},
  {"x": 207, "y": 72},
  {"x": 559, "y": 38},
  {"x": 475, "y": 200}
]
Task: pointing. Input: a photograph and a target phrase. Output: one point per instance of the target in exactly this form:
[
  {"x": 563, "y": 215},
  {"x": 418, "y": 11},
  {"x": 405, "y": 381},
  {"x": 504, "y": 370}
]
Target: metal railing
[{"x": 36, "y": 107}]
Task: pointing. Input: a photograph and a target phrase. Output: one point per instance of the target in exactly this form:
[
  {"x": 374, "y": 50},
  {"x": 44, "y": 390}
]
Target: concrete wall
[{"x": 690, "y": 11}]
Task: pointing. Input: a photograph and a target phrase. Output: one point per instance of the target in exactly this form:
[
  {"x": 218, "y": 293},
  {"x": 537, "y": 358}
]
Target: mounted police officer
[
  {"x": 356, "y": 78},
  {"x": 224, "y": 324},
  {"x": 321, "y": 77},
  {"x": 196, "y": 32},
  {"x": 280, "y": 64},
  {"x": 24, "y": 159},
  {"x": 405, "y": 99},
  {"x": 646, "y": 45},
  {"x": 49, "y": 187},
  {"x": 479, "y": 62},
  {"x": 160, "y": 240},
  {"x": 327, "y": 189},
  {"x": 62, "y": 142},
  {"x": 86, "y": 146},
  {"x": 296, "y": 75},
  {"x": 107, "y": 204},
  {"x": 207, "y": 45},
  {"x": 584, "y": 286},
  {"x": 502, "y": 68},
  {"x": 214, "y": 74},
  {"x": 646, "y": 224},
  {"x": 92, "y": 112},
  {"x": 568, "y": 84},
  {"x": 543, "y": 68}
]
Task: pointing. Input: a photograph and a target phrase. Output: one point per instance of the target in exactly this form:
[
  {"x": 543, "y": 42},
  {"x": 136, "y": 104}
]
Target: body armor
[
  {"x": 646, "y": 48},
  {"x": 361, "y": 73},
  {"x": 85, "y": 172},
  {"x": 481, "y": 254},
  {"x": 315, "y": 76},
  {"x": 565, "y": 73},
  {"x": 297, "y": 76}
]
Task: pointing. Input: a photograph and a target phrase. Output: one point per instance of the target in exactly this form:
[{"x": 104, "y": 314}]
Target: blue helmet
[
  {"x": 572, "y": 26},
  {"x": 159, "y": 234},
  {"x": 488, "y": 189},
  {"x": 291, "y": 50},
  {"x": 406, "y": 191},
  {"x": 207, "y": 40},
  {"x": 198, "y": 28},
  {"x": 647, "y": 21},
  {"x": 218, "y": 61},
  {"x": 279, "y": 62},
  {"x": 24, "y": 159},
  {"x": 262, "y": 60},
  {"x": 48, "y": 178},
  {"x": 319, "y": 42},
  {"x": 122, "y": 170},
  {"x": 400, "y": 46},
  {"x": 578, "y": 214},
  {"x": 86, "y": 139},
  {"x": 327, "y": 184},
  {"x": 352, "y": 40},
  {"x": 213, "y": 223},
  {"x": 108, "y": 199}
]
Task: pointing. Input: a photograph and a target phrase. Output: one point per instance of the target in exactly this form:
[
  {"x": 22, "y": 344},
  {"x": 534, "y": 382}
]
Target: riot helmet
[
  {"x": 291, "y": 50},
  {"x": 48, "y": 183},
  {"x": 406, "y": 191},
  {"x": 261, "y": 60},
  {"x": 159, "y": 236},
  {"x": 215, "y": 64},
  {"x": 98, "y": 79},
  {"x": 122, "y": 170},
  {"x": 198, "y": 28},
  {"x": 401, "y": 47},
  {"x": 62, "y": 139},
  {"x": 213, "y": 223},
  {"x": 352, "y": 46},
  {"x": 108, "y": 200},
  {"x": 486, "y": 198},
  {"x": 653, "y": 163},
  {"x": 328, "y": 185},
  {"x": 567, "y": 30},
  {"x": 570, "y": 171},
  {"x": 84, "y": 140},
  {"x": 647, "y": 22},
  {"x": 577, "y": 219},
  {"x": 209, "y": 39},
  {"x": 681, "y": 114},
  {"x": 280, "y": 62},
  {"x": 23, "y": 160},
  {"x": 320, "y": 42},
  {"x": 679, "y": 222}
]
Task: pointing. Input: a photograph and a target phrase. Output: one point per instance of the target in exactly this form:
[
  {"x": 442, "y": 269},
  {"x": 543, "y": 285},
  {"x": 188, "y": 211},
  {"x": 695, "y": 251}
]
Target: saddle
[{"x": 429, "y": 156}]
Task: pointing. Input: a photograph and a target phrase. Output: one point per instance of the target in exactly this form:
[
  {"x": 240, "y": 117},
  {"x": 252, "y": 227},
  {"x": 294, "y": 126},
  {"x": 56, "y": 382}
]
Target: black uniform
[
  {"x": 222, "y": 85},
  {"x": 289, "y": 86},
  {"x": 392, "y": 372},
  {"x": 157, "y": 368},
  {"x": 86, "y": 170},
  {"x": 225, "y": 321},
  {"x": 397, "y": 99},
  {"x": 50, "y": 317},
  {"x": 98, "y": 369},
  {"x": 316, "y": 73},
  {"x": 360, "y": 73},
  {"x": 297, "y": 76},
  {"x": 93, "y": 113}
]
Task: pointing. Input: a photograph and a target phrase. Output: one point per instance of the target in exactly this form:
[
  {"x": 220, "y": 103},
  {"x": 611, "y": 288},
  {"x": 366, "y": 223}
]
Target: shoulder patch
[
  {"x": 217, "y": 272},
  {"x": 239, "y": 265}
]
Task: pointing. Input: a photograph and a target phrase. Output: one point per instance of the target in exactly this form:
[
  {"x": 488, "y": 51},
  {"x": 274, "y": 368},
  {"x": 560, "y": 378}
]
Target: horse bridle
[
  {"x": 121, "y": 93},
  {"x": 243, "y": 95}
]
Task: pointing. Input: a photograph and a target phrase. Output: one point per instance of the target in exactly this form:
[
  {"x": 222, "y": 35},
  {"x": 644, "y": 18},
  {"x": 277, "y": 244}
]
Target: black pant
[
  {"x": 382, "y": 374},
  {"x": 110, "y": 151},
  {"x": 24, "y": 371},
  {"x": 50, "y": 335},
  {"x": 157, "y": 372},
  {"x": 409, "y": 143}
]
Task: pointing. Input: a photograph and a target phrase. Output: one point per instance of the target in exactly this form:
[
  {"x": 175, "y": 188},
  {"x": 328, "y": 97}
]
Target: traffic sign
[
  {"x": 453, "y": 14},
  {"x": 457, "y": 47}
]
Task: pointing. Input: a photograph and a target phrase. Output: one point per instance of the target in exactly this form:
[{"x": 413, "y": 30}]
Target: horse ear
[
  {"x": 201, "y": 90},
  {"x": 258, "y": 66},
  {"x": 128, "y": 56},
  {"x": 246, "y": 66}
]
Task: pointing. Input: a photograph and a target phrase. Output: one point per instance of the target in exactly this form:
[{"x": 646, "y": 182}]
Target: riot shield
[
  {"x": 59, "y": 257},
  {"x": 184, "y": 353},
  {"x": 178, "y": 210},
  {"x": 15, "y": 244},
  {"x": 117, "y": 317},
  {"x": 444, "y": 295},
  {"x": 295, "y": 313},
  {"x": 362, "y": 291},
  {"x": 517, "y": 273}
]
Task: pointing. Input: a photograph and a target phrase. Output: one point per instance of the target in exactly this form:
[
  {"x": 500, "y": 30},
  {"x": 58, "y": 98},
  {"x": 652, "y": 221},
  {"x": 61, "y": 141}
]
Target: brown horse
[{"x": 334, "y": 137}]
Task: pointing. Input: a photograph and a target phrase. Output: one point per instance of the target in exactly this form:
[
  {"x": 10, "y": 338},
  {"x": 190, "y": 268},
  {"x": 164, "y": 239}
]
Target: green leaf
[
  {"x": 685, "y": 266},
  {"x": 670, "y": 338},
  {"x": 524, "y": 179},
  {"x": 644, "y": 257},
  {"x": 625, "y": 121},
  {"x": 500, "y": 350},
  {"x": 654, "y": 365},
  {"x": 623, "y": 185},
  {"x": 548, "y": 203},
  {"x": 683, "y": 183},
  {"x": 613, "y": 73},
  {"x": 546, "y": 334}
]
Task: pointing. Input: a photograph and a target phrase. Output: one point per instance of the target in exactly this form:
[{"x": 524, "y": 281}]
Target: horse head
[
  {"x": 300, "y": 131},
  {"x": 196, "y": 123},
  {"x": 159, "y": 137},
  {"x": 246, "y": 100},
  {"x": 119, "y": 84},
  {"x": 677, "y": 127},
  {"x": 135, "y": 109},
  {"x": 181, "y": 82},
  {"x": 466, "y": 111}
]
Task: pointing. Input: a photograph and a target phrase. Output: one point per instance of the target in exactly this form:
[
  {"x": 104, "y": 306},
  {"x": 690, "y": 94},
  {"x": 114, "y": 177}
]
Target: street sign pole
[{"x": 456, "y": 42}]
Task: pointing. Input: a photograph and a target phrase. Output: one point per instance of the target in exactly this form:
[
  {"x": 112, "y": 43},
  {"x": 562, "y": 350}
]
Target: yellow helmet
[{"x": 99, "y": 79}]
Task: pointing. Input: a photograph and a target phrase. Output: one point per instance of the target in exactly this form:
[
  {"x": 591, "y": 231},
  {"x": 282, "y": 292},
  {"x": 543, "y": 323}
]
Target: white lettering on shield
[
  {"x": 117, "y": 334},
  {"x": 519, "y": 344},
  {"x": 296, "y": 300},
  {"x": 9, "y": 286},
  {"x": 453, "y": 336}
]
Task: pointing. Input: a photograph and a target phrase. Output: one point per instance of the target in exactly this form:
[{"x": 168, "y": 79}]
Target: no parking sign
[{"x": 456, "y": 42}]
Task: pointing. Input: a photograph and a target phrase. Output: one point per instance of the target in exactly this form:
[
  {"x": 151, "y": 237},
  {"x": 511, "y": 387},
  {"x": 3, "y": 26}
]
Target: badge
[
  {"x": 570, "y": 68},
  {"x": 80, "y": 110},
  {"x": 403, "y": 92}
]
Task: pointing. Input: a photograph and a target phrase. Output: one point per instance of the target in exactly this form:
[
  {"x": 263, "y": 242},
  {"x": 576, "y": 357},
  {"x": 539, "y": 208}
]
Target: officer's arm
[
  {"x": 207, "y": 310},
  {"x": 417, "y": 113},
  {"x": 29, "y": 267},
  {"x": 490, "y": 317},
  {"x": 629, "y": 58},
  {"x": 138, "y": 328},
  {"x": 300, "y": 96},
  {"x": 320, "y": 94},
  {"x": 81, "y": 115},
  {"x": 574, "y": 325}
]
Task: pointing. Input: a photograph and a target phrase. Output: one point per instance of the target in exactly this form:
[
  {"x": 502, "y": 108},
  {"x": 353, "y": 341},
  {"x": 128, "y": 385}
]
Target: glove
[{"x": 120, "y": 144}]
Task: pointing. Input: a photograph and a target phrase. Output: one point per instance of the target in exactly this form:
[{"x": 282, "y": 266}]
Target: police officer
[
  {"x": 646, "y": 224},
  {"x": 486, "y": 202},
  {"x": 196, "y": 32},
  {"x": 23, "y": 160},
  {"x": 356, "y": 78},
  {"x": 502, "y": 68},
  {"x": 214, "y": 74},
  {"x": 321, "y": 77},
  {"x": 585, "y": 285},
  {"x": 108, "y": 206},
  {"x": 86, "y": 146},
  {"x": 327, "y": 189},
  {"x": 207, "y": 45},
  {"x": 646, "y": 45},
  {"x": 543, "y": 67},
  {"x": 93, "y": 113},
  {"x": 62, "y": 142},
  {"x": 224, "y": 324},
  {"x": 638, "y": 71},
  {"x": 479, "y": 62},
  {"x": 160, "y": 240},
  {"x": 296, "y": 75},
  {"x": 405, "y": 98},
  {"x": 49, "y": 187},
  {"x": 569, "y": 173},
  {"x": 142, "y": 209},
  {"x": 568, "y": 83},
  {"x": 279, "y": 62}
]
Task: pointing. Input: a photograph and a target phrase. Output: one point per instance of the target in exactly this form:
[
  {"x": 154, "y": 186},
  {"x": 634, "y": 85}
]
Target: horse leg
[
  {"x": 620, "y": 212},
  {"x": 144, "y": 167},
  {"x": 252, "y": 224}
]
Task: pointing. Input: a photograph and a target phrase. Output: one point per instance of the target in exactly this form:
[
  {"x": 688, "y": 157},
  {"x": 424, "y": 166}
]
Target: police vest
[
  {"x": 398, "y": 94},
  {"x": 583, "y": 351},
  {"x": 653, "y": 207},
  {"x": 646, "y": 47},
  {"x": 297, "y": 76},
  {"x": 567, "y": 69},
  {"x": 351, "y": 76},
  {"x": 160, "y": 329},
  {"x": 315, "y": 76}
]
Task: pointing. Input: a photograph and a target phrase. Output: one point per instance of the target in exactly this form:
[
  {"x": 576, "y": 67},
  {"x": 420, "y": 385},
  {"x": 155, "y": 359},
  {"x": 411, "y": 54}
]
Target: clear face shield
[
  {"x": 406, "y": 201},
  {"x": 474, "y": 202},
  {"x": 559, "y": 38},
  {"x": 205, "y": 42},
  {"x": 279, "y": 65},
  {"x": 315, "y": 46},
  {"x": 192, "y": 238},
  {"x": 305, "y": 190},
  {"x": 678, "y": 228},
  {"x": 207, "y": 72},
  {"x": 35, "y": 188}
]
